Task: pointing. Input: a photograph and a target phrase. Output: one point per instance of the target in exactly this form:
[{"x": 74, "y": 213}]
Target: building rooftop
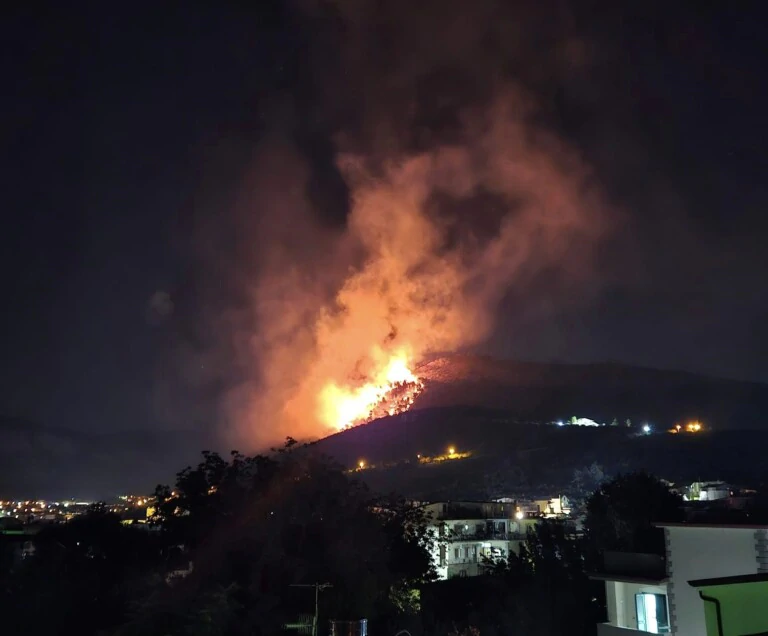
[
  {"x": 731, "y": 580},
  {"x": 747, "y": 525}
]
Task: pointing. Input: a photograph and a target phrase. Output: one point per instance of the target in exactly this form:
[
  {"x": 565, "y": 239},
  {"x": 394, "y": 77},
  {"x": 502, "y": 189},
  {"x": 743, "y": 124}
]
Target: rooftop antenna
[{"x": 319, "y": 587}]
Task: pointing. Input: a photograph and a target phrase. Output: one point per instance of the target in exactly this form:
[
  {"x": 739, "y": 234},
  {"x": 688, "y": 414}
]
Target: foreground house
[
  {"x": 636, "y": 592},
  {"x": 713, "y": 582}
]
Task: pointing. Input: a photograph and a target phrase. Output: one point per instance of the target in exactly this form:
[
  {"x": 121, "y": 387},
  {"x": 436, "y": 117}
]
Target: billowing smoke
[{"x": 449, "y": 210}]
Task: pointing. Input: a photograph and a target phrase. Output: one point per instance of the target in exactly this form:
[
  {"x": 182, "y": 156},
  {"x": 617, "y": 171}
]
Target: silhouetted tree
[
  {"x": 542, "y": 592},
  {"x": 587, "y": 479},
  {"x": 621, "y": 512},
  {"x": 255, "y": 525}
]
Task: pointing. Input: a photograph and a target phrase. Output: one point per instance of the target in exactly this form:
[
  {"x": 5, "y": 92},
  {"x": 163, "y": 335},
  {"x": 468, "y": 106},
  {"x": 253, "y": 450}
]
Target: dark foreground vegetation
[{"x": 234, "y": 536}]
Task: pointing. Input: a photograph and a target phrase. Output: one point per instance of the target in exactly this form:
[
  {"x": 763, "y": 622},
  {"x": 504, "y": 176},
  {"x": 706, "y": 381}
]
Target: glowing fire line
[{"x": 393, "y": 391}]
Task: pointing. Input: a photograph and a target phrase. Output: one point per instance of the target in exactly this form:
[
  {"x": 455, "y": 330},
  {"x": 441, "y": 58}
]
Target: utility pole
[{"x": 319, "y": 587}]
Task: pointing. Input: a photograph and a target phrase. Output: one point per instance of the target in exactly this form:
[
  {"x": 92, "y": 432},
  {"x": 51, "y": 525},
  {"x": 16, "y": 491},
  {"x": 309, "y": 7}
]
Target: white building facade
[
  {"x": 652, "y": 600},
  {"x": 470, "y": 535},
  {"x": 702, "y": 551}
]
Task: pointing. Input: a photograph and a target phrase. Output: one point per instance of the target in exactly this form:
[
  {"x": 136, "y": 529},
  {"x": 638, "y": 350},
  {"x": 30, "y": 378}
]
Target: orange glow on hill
[{"x": 392, "y": 391}]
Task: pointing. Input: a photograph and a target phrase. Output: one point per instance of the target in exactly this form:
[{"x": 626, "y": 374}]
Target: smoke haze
[{"x": 457, "y": 192}]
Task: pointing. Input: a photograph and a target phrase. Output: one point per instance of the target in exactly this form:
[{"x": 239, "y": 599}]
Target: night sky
[{"x": 127, "y": 131}]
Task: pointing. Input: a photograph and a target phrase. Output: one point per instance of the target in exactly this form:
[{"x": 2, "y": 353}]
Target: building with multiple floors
[
  {"x": 708, "y": 583},
  {"x": 472, "y": 534}
]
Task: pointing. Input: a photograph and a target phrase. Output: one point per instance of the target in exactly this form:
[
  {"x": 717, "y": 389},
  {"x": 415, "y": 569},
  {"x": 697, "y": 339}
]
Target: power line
[{"x": 319, "y": 587}]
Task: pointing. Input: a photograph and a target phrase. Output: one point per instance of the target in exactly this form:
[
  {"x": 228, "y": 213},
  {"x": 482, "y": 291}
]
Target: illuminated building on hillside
[{"x": 473, "y": 534}]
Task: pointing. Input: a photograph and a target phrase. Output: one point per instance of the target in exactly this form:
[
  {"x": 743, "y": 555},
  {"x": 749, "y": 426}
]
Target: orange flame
[{"x": 393, "y": 390}]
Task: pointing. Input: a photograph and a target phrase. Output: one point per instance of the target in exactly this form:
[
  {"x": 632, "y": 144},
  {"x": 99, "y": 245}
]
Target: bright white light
[
  {"x": 519, "y": 514},
  {"x": 560, "y": 423},
  {"x": 650, "y": 613},
  {"x": 646, "y": 428}
]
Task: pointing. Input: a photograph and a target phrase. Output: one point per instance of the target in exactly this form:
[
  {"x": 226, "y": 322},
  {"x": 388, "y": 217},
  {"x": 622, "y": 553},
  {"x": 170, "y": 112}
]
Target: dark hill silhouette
[
  {"x": 541, "y": 392},
  {"x": 499, "y": 410},
  {"x": 491, "y": 407},
  {"x": 509, "y": 457},
  {"x": 39, "y": 461}
]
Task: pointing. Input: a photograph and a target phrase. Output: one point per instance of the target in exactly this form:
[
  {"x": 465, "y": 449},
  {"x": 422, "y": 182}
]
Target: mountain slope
[
  {"x": 536, "y": 391},
  {"x": 498, "y": 412},
  {"x": 473, "y": 403}
]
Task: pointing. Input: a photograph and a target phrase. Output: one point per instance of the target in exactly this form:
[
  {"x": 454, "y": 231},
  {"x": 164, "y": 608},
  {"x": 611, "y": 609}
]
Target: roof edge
[
  {"x": 736, "y": 526},
  {"x": 760, "y": 577}
]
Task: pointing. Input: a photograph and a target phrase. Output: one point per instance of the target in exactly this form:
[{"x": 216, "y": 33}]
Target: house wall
[
  {"x": 761, "y": 545},
  {"x": 742, "y": 606},
  {"x": 606, "y": 629},
  {"x": 696, "y": 552},
  {"x": 620, "y": 597}
]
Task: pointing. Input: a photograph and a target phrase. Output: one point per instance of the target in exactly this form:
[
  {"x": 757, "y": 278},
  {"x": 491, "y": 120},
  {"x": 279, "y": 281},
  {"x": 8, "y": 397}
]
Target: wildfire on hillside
[
  {"x": 392, "y": 391},
  {"x": 433, "y": 243}
]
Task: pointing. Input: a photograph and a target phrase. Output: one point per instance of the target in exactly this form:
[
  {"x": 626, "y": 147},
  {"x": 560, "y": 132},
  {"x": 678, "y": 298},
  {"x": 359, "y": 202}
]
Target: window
[
  {"x": 455, "y": 553},
  {"x": 652, "y": 613}
]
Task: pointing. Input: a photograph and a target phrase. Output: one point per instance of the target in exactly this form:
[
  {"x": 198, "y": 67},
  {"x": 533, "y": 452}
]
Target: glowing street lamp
[
  {"x": 361, "y": 464},
  {"x": 451, "y": 451}
]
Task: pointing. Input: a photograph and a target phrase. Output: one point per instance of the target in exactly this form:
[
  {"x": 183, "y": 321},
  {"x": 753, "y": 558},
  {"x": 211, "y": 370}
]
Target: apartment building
[{"x": 471, "y": 534}]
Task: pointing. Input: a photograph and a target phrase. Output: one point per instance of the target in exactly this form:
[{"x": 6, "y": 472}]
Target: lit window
[{"x": 652, "y": 614}]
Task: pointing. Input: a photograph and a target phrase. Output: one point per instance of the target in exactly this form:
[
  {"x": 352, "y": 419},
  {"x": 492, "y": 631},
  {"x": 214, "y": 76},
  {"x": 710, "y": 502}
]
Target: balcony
[
  {"x": 452, "y": 536},
  {"x": 480, "y": 511},
  {"x": 607, "y": 629},
  {"x": 632, "y": 567}
]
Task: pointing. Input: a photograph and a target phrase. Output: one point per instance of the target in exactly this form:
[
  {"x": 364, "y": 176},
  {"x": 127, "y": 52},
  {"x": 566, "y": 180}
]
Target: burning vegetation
[
  {"x": 345, "y": 318},
  {"x": 393, "y": 391}
]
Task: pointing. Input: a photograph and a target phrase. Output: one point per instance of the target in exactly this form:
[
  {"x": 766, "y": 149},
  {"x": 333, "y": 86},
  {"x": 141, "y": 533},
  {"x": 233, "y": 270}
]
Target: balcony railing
[
  {"x": 498, "y": 511},
  {"x": 608, "y": 629},
  {"x": 483, "y": 536},
  {"x": 635, "y": 564}
]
